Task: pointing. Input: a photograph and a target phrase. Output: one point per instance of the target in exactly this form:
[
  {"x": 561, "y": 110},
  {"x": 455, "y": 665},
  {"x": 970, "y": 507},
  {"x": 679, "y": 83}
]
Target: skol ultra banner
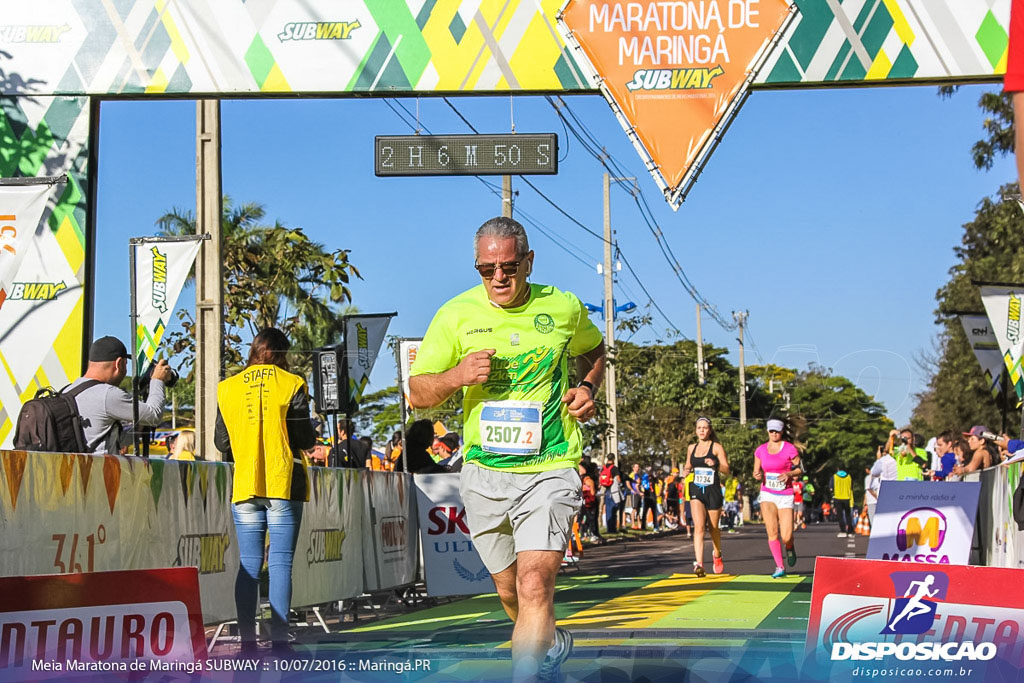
[
  {"x": 363, "y": 336},
  {"x": 672, "y": 70},
  {"x": 407, "y": 350},
  {"x": 1003, "y": 306},
  {"x": 451, "y": 565},
  {"x": 924, "y": 522},
  {"x": 879, "y": 620},
  {"x": 21, "y": 207},
  {"x": 161, "y": 268},
  {"x": 986, "y": 348}
]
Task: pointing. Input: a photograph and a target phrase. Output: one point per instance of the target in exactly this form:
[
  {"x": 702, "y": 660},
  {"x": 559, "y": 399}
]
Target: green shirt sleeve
[
  {"x": 439, "y": 350},
  {"x": 586, "y": 336}
]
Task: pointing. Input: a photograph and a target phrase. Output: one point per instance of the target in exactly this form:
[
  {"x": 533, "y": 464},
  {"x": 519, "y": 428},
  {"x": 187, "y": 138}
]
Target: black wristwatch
[{"x": 588, "y": 385}]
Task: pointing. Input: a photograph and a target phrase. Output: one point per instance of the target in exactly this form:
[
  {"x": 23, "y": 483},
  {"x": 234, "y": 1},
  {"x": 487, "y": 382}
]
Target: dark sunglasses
[{"x": 486, "y": 270}]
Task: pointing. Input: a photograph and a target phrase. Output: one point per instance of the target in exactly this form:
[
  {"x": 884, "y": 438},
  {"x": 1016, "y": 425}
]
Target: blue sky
[{"x": 830, "y": 215}]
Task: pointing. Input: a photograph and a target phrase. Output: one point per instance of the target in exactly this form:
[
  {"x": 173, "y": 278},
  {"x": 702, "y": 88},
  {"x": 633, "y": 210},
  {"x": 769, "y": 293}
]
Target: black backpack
[{"x": 51, "y": 423}]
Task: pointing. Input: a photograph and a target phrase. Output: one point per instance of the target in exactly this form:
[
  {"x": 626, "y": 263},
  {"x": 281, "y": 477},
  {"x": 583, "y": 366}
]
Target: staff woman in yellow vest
[{"x": 263, "y": 425}]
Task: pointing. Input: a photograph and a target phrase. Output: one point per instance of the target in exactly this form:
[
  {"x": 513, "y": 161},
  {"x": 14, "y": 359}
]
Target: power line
[
  {"x": 591, "y": 144},
  {"x": 574, "y": 220}
]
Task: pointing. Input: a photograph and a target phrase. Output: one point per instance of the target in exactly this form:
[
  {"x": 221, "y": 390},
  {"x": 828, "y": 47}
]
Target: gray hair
[{"x": 503, "y": 228}]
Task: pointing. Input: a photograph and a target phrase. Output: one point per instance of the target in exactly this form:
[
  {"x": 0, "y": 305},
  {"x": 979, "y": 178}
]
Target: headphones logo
[{"x": 921, "y": 526}]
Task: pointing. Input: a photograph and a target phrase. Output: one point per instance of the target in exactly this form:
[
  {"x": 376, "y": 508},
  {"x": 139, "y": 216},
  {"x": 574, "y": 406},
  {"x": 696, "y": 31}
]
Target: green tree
[
  {"x": 274, "y": 276},
  {"x": 957, "y": 395}
]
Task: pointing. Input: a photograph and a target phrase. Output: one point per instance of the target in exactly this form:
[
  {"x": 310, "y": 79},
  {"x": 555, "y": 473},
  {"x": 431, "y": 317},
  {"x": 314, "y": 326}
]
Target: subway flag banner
[
  {"x": 1003, "y": 306},
  {"x": 672, "y": 71},
  {"x": 986, "y": 348},
  {"x": 161, "y": 268},
  {"x": 925, "y": 522},
  {"x": 363, "y": 336},
  {"x": 898, "y": 621},
  {"x": 110, "y": 623},
  {"x": 21, "y": 207}
]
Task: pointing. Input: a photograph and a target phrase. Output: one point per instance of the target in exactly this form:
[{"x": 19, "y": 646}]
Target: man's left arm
[{"x": 590, "y": 368}]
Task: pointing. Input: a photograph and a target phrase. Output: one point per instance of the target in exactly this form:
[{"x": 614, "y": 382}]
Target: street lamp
[{"x": 624, "y": 308}]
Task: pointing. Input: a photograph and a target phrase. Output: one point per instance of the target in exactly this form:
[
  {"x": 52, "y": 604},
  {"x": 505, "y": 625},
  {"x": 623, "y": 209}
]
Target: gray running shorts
[{"x": 509, "y": 512}]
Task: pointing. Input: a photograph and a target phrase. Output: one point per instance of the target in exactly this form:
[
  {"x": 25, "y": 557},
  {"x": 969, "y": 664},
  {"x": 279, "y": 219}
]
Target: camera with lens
[{"x": 142, "y": 381}]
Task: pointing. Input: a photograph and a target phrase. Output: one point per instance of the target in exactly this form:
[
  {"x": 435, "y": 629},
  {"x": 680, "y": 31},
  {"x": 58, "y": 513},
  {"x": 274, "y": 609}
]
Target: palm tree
[{"x": 274, "y": 276}]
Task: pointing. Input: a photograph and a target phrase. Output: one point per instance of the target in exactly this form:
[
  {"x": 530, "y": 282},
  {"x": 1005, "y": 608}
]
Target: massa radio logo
[
  {"x": 318, "y": 30},
  {"x": 919, "y": 537}
]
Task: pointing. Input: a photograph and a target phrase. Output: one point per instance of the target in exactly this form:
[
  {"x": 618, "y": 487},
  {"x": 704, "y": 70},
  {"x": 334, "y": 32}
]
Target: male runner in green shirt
[{"x": 506, "y": 343}]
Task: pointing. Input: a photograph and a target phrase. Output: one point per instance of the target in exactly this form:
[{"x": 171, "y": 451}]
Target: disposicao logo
[
  {"x": 318, "y": 30},
  {"x": 919, "y": 537},
  {"x": 913, "y": 613}
]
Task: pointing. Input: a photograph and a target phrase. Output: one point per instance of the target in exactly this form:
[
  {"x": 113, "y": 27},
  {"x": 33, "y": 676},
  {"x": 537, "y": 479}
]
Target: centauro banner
[
  {"x": 1003, "y": 305},
  {"x": 671, "y": 70},
  {"x": 161, "y": 268},
  {"x": 986, "y": 348},
  {"x": 363, "y": 336},
  {"x": 21, "y": 207}
]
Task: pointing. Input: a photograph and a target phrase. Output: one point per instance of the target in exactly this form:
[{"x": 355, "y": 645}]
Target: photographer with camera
[
  {"x": 910, "y": 461},
  {"x": 103, "y": 405}
]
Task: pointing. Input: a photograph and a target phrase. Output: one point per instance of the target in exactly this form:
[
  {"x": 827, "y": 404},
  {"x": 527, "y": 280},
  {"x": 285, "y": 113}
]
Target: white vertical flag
[
  {"x": 161, "y": 268},
  {"x": 407, "y": 350},
  {"x": 986, "y": 347},
  {"x": 21, "y": 206},
  {"x": 363, "y": 336},
  {"x": 1003, "y": 305}
]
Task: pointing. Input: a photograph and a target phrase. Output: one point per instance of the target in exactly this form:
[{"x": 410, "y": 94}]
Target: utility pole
[
  {"x": 612, "y": 441},
  {"x": 700, "y": 351},
  {"x": 506, "y": 196},
  {"x": 741, "y": 318},
  {"x": 209, "y": 278}
]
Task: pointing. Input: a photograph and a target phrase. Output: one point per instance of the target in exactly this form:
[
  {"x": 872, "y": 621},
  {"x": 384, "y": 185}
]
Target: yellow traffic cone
[{"x": 863, "y": 525}]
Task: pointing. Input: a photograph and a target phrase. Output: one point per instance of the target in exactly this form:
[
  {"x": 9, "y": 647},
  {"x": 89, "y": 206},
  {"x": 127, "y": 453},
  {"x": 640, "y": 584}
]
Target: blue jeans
[{"x": 253, "y": 518}]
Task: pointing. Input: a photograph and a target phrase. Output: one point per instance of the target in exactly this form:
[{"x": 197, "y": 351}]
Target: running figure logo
[{"x": 914, "y": 612}]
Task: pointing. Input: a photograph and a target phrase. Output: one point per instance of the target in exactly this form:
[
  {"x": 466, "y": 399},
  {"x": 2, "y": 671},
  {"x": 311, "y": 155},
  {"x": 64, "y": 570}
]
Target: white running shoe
[{"x": 551, "y": 667}]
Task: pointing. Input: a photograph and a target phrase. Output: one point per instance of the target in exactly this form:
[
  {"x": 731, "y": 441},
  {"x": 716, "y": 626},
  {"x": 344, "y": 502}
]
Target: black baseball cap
[{"x": 106, "y": 349}]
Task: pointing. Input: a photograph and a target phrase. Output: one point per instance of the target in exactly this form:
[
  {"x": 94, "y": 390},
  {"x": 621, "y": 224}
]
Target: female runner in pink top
[{"x": 776, "y": 463}]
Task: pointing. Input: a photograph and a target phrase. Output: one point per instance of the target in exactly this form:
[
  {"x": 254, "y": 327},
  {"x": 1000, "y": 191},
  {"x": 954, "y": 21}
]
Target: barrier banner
[
  {"x": 363, "y": 336},
  {"x": 161, "y": 268},
  {"x": 77, "y": 514},
  {"x": 122, "y": 621},
  {"x": 390, "y": 542},
  {"x": 328, "y": 563},
  {"x": 671, "y": 71},
  {"x": 881, "y": 616},
  {"x": 1002, "y": 543},
  {"x": 451, "y": 565},
  {"x": 21, "y": 207},
  {"x": 924, "y": 521},
  {"x": 1003, "y": 306},
  {"x": 986, "y": 348}
]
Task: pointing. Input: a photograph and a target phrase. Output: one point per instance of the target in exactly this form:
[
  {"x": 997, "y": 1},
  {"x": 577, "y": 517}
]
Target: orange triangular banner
[
  {"x": 14, "y": 468},
  {"x": 85, "y": 469},
  {"x": 112, "y": 478},
  {"x": 67, "y": 470},
  {"x": 674, "y": 68}
]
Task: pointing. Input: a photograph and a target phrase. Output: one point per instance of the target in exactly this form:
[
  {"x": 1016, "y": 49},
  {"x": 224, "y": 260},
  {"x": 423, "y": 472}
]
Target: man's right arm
[{"x": 430, "y": 390}]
